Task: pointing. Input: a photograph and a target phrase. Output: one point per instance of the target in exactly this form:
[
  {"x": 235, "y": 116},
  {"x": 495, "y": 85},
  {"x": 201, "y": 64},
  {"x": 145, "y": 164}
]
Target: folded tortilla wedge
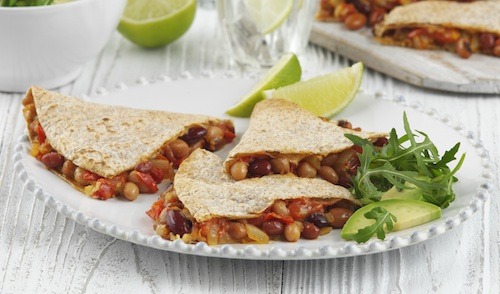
[
  {"x": 205, "y": 204},
  {"x": 284, "y": 138},
  {"x": 105, "y": 150},
  {"x": 457, "y": 27}
]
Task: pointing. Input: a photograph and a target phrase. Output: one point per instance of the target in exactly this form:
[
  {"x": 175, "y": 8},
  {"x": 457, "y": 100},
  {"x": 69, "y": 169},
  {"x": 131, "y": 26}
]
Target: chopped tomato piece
[
  {"x": 156, "y": 208},
  {"x": 229, "y": 134},
  {"x": 273, "y": 215},
  {"x": 157, "y": 174},
  {"x": 148, "y": 181},
  {"x": 302, "y": 208},
  {"x": 417, "y": 32},
  {"x": 106, "y": 189},
  {"x": 90, "y": 176},
  {"x": 40, "y": 133},
  {"x": 446, "y": 36}
]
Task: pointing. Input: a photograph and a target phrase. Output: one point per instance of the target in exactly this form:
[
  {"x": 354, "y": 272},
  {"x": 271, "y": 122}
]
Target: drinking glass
[{"x": 259, "y": 32}]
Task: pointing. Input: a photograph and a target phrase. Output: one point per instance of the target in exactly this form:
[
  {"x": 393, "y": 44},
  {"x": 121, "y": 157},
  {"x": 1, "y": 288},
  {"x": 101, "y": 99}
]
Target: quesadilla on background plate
[
  {"x": 284, "y": 138},
  {"x": 463, "y": 28},
  {"x": 206, "y": 204},
  {"x": 373, "y": 10},
  {"x": 105, "y": 150}
]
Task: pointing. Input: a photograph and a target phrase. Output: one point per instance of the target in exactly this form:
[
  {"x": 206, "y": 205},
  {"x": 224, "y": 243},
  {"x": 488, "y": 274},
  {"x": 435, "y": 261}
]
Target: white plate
[{"x": 128, "y": 221}]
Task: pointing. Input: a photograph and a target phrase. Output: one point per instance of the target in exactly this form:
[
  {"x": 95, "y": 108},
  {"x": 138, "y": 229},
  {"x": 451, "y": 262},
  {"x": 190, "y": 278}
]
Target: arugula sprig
[
  {"x": 405, "y": 160},
  {"x": 384, "y": 222}
]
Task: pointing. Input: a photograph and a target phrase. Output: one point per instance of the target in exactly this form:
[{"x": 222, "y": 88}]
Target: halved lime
[
  {"x": 287, "y": 71},
  {"x": 268, "y": 15},
  {"x": 324, "y": 95},
  {"x": 155, "y": 23}
]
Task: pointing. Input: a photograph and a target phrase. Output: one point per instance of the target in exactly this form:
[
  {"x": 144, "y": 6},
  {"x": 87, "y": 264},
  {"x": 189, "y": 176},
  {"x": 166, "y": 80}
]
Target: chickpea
[
  {"x": 214, "y": 135},
  {"x": 78, "y": 176},
  {"x": 68, "y": 169},
  {"x": 239, "y": 170},
  {"x": 280, "y": 208},
  {"x": 237, "y": 230},
  {"x": 292, "y": 232},
  {"x": 463, "y": 48},
  {"x": 313, "y": 161},
  {"x": 280, "y": 165},
  {"x": 130, "y": 191},
  {"x": 179, "y": 148},
  {"x": 330, "y": 159},
  {"x": 305, "y": 170},
  {"x": 329, "y": 174}
]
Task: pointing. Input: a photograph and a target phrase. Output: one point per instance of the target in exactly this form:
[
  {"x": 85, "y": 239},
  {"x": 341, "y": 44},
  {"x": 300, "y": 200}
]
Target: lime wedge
[
  {"x": 287, "y": 71},
  {"x": 268, "y": 15},
  {"x": 155, "y": 23},
  {"x": 324, "y": 95}
]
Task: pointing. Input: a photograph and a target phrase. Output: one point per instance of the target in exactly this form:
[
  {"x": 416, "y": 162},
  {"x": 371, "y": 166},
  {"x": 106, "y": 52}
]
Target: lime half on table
[
  {"x": 324, "y": 95},
  {"x": 287, "y": 71},
  {"x": 155, "y": 23}
]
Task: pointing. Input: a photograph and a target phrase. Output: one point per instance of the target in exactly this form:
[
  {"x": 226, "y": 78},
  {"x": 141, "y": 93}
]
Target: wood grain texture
[
  {"x": 42, "y": 252},
  {"x": 425, "y": 68}
]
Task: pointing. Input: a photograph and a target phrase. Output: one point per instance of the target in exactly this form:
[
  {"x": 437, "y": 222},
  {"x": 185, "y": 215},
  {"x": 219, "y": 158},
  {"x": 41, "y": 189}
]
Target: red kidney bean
[
  {"x": 52, "y": 159},
  {"x": 273, "y": 227},
  {"x": 144, "y": 167},
  {"x": 355, "y": 21},
  {"x": 362, "y": 6},
  {"x": 177, "y": 223},
  {"x": 194, "y": 135},
  {"x": 318, "y": 219},
  {"x": 340, "y": 216},
  {"x": 260, "y": 167},
  {"x": 310, "y": 231},
  {"x": 344, "y": 124},
  {"x": 376, "y": 16},
  {"x": 381, "y": 142},
  {"x": 463, "y": 48},
  {"x": 486, "y": 41}
]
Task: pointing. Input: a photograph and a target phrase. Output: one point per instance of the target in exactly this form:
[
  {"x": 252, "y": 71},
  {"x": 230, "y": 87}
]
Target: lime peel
[
  {"x": 268, "y": 15},
  {"x": 325, "y": 95},
  {"x": 285, "y": 72}
]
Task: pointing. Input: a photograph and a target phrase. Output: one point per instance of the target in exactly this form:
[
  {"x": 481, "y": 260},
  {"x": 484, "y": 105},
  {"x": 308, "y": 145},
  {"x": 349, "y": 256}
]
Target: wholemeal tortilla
[
  {"x": 208, "y": 192},
  {"x": 280, "y": 127},
  {"x": 479, "y": 16},
  {"x": 104, "y": 139}
]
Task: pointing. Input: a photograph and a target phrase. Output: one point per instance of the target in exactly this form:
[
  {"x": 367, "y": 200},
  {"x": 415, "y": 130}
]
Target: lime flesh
[
  {"x": 155, "y": 23},
  {"x": 287, "y": 71},
  {"x": 324, "y": 95},
  {"x": 268, "y": 15}
]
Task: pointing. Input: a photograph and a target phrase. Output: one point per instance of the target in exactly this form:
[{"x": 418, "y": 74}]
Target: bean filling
[
  {"x": 336, "y": 168},
  {"x": 287, "y": 220},
  {"x": 145, "y": 176}
]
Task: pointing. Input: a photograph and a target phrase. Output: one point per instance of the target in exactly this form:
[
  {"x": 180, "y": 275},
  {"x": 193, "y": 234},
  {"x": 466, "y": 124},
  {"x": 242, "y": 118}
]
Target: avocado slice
[
  {"x": 412, "y": 193},
  {"x": 409, "y": 213}
]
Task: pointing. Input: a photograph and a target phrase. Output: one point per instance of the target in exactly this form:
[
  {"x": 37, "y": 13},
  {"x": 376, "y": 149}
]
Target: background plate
[
  {"x": 424, "y": 68},
  {"x": 128, "y": 221}
]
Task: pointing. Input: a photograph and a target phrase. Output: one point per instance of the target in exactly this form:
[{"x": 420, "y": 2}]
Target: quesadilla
[
  {"x": 463, "y": 28},
  {"x": 206, "y": 204},
  {"x": 284, "y": 138},
  {"x": 373, "y": 10},
  {"x": 104, "y": 150}
]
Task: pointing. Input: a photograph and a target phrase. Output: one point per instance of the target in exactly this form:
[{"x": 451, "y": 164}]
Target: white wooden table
[{"x": 42, "y": 252}]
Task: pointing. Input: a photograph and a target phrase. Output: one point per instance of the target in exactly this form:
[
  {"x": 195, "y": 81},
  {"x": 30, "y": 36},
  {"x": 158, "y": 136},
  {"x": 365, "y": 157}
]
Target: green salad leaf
[
  {"x": 405, "y": 159},
  {"x": 384, "y": 222},
  {"x": 21, "y": 3}
]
